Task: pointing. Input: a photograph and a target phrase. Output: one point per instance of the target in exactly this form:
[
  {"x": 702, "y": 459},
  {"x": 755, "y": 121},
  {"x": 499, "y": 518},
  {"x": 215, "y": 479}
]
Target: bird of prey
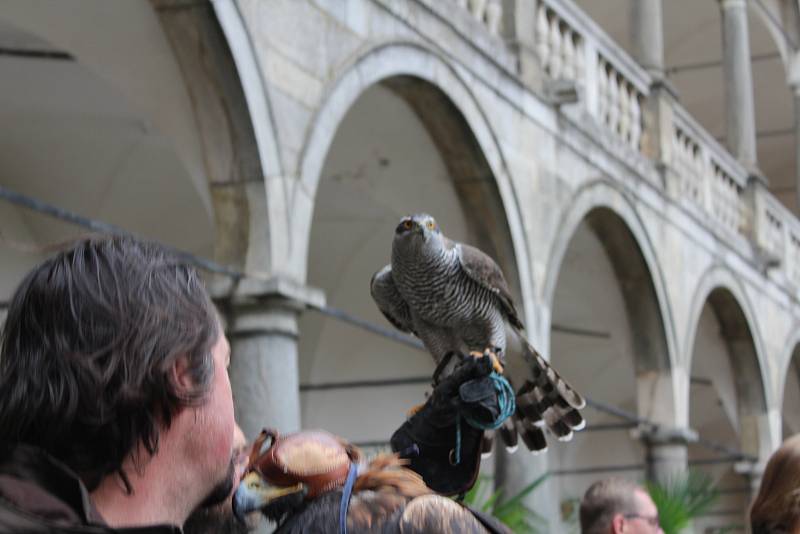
[
  {"x": 297, "y": 483},
  {"x": 455, "y": 299}
]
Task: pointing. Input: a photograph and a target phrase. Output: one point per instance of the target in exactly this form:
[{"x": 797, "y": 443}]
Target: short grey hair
[{"x": 603, "y": 500}]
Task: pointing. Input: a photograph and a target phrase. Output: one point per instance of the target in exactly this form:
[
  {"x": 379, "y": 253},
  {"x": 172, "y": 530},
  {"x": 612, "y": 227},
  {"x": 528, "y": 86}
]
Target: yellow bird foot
[
  {"x": 496, "y": 365},
  {"x": 413, "y": 410}
]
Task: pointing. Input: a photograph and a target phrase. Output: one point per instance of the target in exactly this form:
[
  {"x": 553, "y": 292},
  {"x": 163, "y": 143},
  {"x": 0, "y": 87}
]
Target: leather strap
[{"x": 347, "y": 492}]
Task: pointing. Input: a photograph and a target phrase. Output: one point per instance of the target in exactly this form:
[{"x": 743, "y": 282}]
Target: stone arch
[
  {"x": 193, "y": 86},
  {"x": 791, "y": 349},
  {"x": 395, "y": 64},
  {"x": 211, "y": 46},
  {"x": 789, "y": 369},
  {"x": 595, "y": 197},
  {"x": 118, "y": 126},
  {"x": 728, "y": 300},
  {"x": 471, "y": 180},
  {"x": 769, "y": 15},
  {"x": 241, "y": 48},
  {"x": 773, "y": 100},
  {"x": 613, "y": 338},
  {"x": 268, "y": 201}
]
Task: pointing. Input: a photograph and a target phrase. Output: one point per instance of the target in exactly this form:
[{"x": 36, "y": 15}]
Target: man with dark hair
[
  {"x": 615, "y": 506},
  {"x": 115, "y": 405}
]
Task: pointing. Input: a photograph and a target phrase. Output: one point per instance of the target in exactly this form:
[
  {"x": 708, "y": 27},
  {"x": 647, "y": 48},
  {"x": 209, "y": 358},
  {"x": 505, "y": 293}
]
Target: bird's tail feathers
[
  {"x": 487, "y": 444},
  {"x": 545, "y": 401},
  {"x": 550, "y": 384}
]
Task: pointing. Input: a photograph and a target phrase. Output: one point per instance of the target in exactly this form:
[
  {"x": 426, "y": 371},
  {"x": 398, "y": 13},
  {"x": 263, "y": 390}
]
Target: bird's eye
[
  {"x": 431, "y": 225},
  {"x": 407, "y": 224}
]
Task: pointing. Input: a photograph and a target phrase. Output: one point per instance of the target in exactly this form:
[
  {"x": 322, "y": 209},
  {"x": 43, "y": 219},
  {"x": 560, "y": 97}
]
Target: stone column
[
  {"x": 262, "y": 330},
  {"x": 667, "y": 452},
  {"x": 519, "y": 31},
  {"x": 751, "y": 472},
  {"x": 514, "y": 471},
  {"x": 796, "y": 95},
  {"x": 739, "y": 107},
  {"x": 647, "y": 28}
]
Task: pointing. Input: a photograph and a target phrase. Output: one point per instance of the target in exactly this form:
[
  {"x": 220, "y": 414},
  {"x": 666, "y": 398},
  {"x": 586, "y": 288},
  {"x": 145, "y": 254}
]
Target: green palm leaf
[
  {"x": 681, "y": 499},
  {"x": 512, "y": 512}
]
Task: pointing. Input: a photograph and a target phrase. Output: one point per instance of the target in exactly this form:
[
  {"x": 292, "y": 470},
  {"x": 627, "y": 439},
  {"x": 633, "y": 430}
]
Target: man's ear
[
  {"x": 181, "y": 375},
  {"x": 617, "y": 524}
]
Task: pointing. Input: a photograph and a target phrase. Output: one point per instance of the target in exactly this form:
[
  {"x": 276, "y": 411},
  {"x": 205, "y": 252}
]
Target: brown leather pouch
[{"x": 315, "y": 458}]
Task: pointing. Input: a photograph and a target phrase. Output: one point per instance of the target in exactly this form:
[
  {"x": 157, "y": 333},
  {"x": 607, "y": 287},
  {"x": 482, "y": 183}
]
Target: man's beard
[
  {"x": 215, "y": 520},
  {"x": 215, "y": 514},
  {"x": 222, "y": 490}
]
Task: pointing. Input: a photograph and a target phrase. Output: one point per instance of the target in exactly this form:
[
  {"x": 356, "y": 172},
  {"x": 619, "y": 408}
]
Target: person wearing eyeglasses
[{"x": 616, "y": 506}]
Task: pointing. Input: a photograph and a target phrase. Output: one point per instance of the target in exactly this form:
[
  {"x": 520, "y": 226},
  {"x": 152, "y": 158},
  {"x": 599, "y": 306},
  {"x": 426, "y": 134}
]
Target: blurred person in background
[
  {"x": 616, "y": 506},
  {"x": 776, "y": 509}
]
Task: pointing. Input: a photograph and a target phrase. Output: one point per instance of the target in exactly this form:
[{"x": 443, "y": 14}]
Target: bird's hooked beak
[{"x": 254, "y": 493}]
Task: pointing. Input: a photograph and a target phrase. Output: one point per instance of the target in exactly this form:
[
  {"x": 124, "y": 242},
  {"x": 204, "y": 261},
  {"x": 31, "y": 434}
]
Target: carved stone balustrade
[
  {"x": 793, "y": 254},
  {"x": 770, "y": 226},
  {"x": 559, "y": 46},
  {"x": 707, "y": 177},
  {"x": 619, "y": 104},
  {"x": 729, "y": 208},
  {"x": 487, "y": 12},
  {"x": 571, "y": 47},
  {"x": 644, "y": 124},
  {"x": 690, "y": 167}
]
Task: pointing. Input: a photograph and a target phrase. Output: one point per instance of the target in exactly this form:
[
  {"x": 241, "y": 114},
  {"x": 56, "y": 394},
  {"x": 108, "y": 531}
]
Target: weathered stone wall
[{"x": 553, "y": 167}]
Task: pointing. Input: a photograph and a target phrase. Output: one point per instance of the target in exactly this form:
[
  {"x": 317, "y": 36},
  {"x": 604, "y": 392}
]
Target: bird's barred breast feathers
[{"x": 457, "y": 296}]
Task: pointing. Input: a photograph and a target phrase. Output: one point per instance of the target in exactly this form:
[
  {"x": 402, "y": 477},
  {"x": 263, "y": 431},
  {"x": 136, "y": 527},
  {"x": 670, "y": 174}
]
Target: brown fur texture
[{"x": 387, "y": 498}]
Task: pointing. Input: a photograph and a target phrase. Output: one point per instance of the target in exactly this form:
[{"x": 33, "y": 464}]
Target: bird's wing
[
  {"x": 390, "y": 301},
  {"x": 482, "y": 269}
]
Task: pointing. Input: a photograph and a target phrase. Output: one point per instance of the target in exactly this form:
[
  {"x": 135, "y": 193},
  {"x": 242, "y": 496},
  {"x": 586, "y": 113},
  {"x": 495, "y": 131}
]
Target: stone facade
[
  {"x": 540, "y": 135},
  {"x": 621, "y": 153}
]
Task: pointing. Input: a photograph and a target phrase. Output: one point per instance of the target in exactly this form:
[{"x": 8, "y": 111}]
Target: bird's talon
[
  {"x": 496, "y": 365},
  {"x": 414, "y": 410}
]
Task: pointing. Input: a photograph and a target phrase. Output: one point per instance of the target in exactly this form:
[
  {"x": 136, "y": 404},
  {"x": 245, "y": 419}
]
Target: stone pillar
[
  {"x": 514, "y": 471},
  {"x": 751, "y": 472},
  {"x": 739, "y": 107},
  {"x": 667, "y": 452},
  {"x": 647, "y": 28},
  {"x": 796, "y": 95},
  {"x": 262, "y": 330},
  {"x": 519, "y": 31}
]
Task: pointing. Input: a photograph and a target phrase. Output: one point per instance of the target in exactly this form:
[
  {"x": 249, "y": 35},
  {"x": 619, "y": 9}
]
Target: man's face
[
  {"x": 214, "y": 428},
  {"x": 643, "y": 520},
  {"x": 219, "y": 518}
]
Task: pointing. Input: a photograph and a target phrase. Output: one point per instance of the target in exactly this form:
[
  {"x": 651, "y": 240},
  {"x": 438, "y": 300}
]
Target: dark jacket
[{"x": 40, "y": 495}]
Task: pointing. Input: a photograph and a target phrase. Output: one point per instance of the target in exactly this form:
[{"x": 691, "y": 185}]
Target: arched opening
[
  {"x": 111, "y": 143},
  {"x": 774, "y": 109},
  {"x": 790, "y": 411},
  {"x": 607, "y": 336},
  {"x": 402, "y": 147},
  {"x": 727, "y": 404}
]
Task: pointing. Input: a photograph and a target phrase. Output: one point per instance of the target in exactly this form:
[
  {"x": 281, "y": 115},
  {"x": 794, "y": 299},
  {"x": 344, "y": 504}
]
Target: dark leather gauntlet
[{"x": 429, "y": 439}]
